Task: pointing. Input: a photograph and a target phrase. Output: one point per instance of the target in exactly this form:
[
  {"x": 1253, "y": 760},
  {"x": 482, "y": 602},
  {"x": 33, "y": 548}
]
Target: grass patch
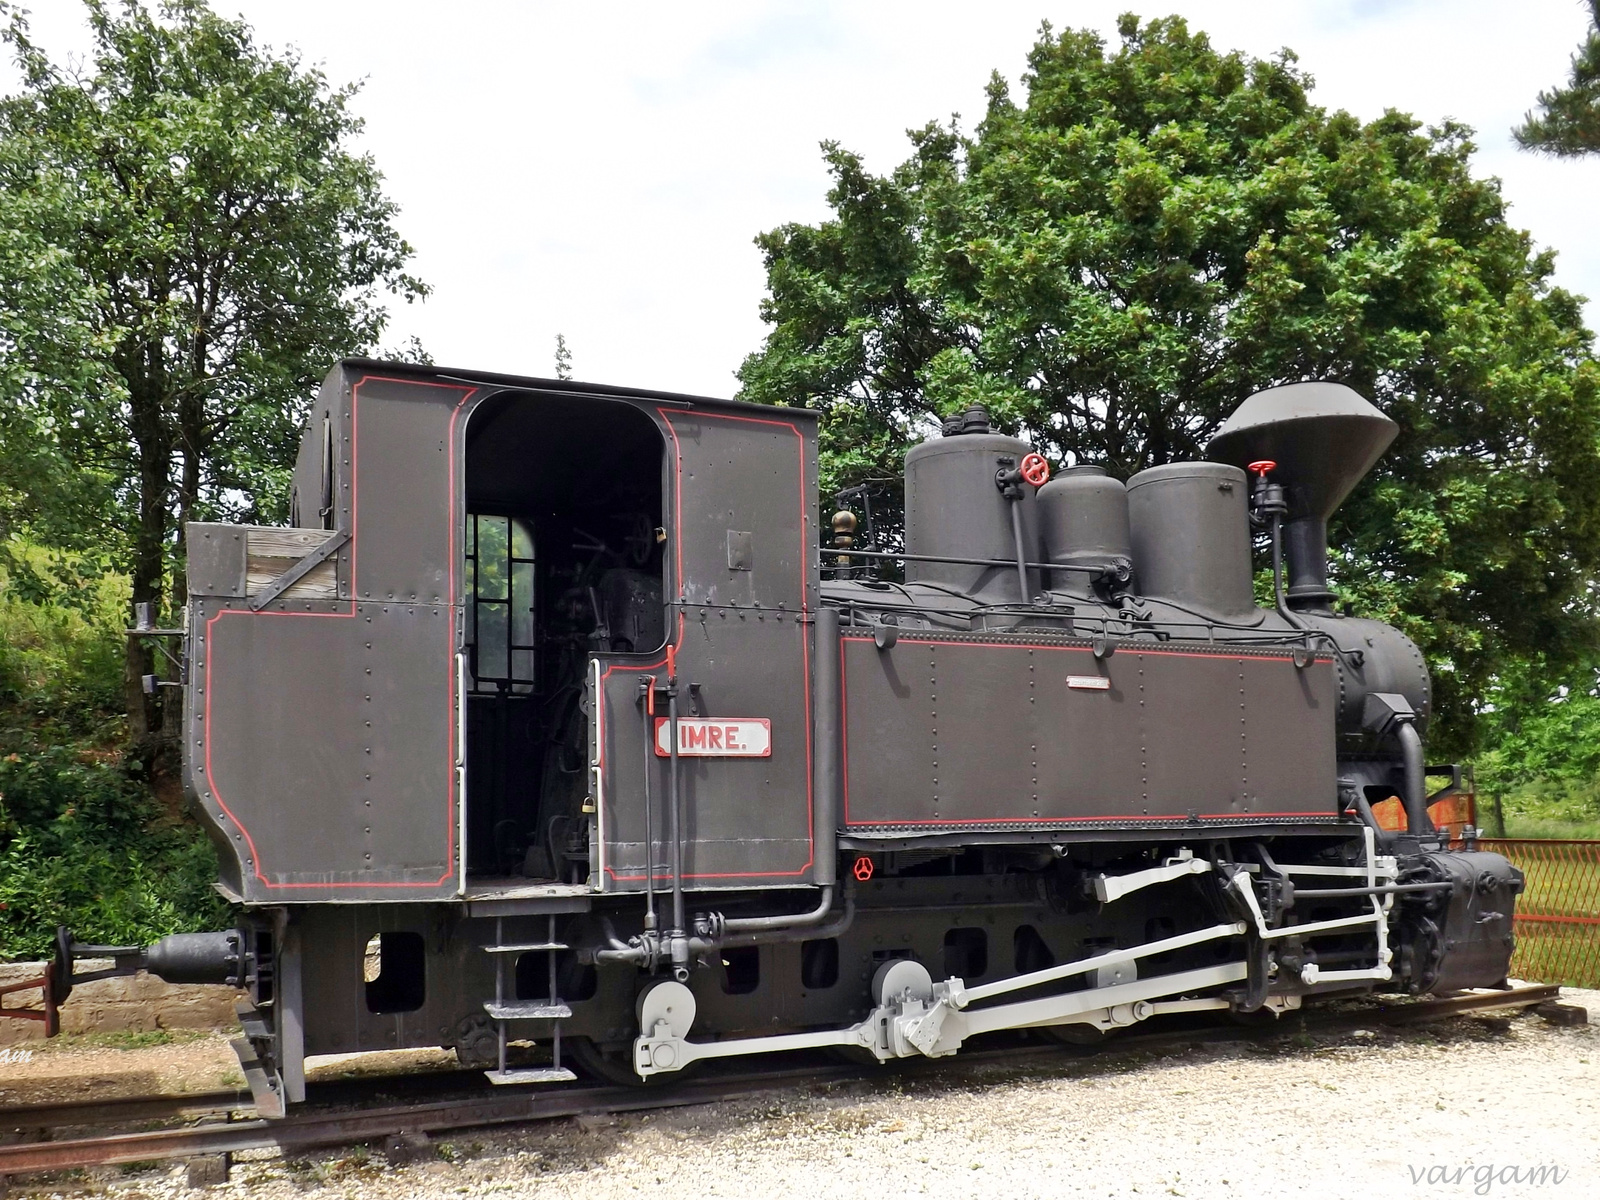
[
  {"x": 124, "y": 1039},
  {"x": 1539, "y": 827},
  {"x": 1545, "y": 808}
]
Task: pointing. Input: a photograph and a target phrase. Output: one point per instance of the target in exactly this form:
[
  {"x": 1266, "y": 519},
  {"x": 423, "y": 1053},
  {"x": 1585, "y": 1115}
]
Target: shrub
[{"x": 84, "y": 845}]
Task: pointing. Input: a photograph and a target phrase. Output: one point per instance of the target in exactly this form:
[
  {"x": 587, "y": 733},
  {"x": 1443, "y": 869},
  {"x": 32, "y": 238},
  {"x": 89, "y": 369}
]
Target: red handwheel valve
[
  {"x": 1267, "y": 502},
  {"x": 863, "y": 869},
  {"x": 1036, "y": 469}
]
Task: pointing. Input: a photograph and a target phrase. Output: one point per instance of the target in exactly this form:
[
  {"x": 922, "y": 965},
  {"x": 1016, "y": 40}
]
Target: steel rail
[
  {"x": 319, "y": 1094},
  {"x": 133, "y": 1108},
  {"x": 307, "y": 1130}
]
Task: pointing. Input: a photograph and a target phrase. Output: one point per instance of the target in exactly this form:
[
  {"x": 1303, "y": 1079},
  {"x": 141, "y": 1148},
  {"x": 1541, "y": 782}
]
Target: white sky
[{"x": 600, "y": 169}]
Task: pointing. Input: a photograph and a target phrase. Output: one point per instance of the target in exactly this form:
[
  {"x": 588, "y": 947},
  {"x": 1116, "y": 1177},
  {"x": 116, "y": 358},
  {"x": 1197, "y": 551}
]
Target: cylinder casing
[
  {"x": 1083, "y": 521},
  {"x": 954, "y": 509},
  {"x": 1189, "y": 526}
]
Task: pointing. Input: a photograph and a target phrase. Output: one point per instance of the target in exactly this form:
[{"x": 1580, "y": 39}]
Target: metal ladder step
[
  {"x": 502, "y": 1010},
  {"x": 526, "y": 1010},
  {"x": 530, "y": 1075}
]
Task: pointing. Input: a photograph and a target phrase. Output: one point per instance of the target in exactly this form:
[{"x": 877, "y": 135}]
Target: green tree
[
  {"x": 1543, "y": 749},
  {"x": 187, "y": 240},
  {"x": 1156, "y": 232},
  {"x": 1568, "y": 120}
]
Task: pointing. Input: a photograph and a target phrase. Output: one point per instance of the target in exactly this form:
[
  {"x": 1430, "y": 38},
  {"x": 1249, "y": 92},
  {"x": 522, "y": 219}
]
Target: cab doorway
[{"x": 563, "y": 556}]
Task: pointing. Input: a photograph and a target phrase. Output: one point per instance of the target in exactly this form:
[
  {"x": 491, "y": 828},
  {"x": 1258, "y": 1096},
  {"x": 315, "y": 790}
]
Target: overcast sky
[{"x": 600, "y": 169}]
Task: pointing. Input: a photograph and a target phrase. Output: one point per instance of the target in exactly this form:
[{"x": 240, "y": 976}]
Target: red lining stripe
[{"x": 1056, "y": 822}]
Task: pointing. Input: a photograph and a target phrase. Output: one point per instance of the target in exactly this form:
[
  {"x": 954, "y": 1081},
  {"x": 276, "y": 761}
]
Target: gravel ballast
[{"x": 1451, "y": 1109}]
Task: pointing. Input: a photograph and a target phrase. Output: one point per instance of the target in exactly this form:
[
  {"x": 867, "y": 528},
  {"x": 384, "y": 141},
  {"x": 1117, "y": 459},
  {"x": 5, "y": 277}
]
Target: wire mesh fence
[{"x": 1558, "y": 916}]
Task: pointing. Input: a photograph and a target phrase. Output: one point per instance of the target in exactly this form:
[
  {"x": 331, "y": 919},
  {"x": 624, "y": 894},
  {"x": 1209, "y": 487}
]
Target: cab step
[
  {"x": 526, "y": 1010},
  {"x": 530, "y": 1075},
  {"x": 502, "y": 1010}
]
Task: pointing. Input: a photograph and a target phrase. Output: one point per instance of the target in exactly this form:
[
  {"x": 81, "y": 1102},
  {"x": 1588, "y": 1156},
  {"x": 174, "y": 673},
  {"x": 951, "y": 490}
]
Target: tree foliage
[
  {"x": 1568, "y": 120},
  {"x": 187, "y": 240},
  {"x": 1538, "y": 736},
  {"x": 1157, "y": 231},
  {"x": 83, "y": 839}
]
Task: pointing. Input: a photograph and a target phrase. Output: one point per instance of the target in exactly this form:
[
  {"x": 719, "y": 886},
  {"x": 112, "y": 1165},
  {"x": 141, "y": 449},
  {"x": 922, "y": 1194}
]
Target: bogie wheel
[
  {"x": 613, "y": 1063},
  {"x": 855, "y": 1056},
  {"x": 1078, "y": 1038},
  {"x": 1261, "y": 1018}
]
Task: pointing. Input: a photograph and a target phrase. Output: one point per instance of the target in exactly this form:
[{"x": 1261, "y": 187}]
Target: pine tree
[{"x": 1568, "y": 121}]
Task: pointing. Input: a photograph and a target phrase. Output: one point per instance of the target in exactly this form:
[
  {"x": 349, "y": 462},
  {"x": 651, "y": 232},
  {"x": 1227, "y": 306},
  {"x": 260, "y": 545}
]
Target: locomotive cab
[{"x": 433, "y": 684}]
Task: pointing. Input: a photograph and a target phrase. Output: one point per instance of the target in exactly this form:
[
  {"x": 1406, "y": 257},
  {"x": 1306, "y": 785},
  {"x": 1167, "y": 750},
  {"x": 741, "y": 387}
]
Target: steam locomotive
[{"x": 550, "y": 722}]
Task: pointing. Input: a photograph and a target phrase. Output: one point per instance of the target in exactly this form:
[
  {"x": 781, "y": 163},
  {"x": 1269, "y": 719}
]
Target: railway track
[{"x": 323, "y": 1123}]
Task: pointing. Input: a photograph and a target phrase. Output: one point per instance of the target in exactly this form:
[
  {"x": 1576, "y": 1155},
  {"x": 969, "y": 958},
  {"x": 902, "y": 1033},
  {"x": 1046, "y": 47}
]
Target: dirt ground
[
  {"x": 108, "y": 1066},
  {"x": 1469, "y": 1107}
]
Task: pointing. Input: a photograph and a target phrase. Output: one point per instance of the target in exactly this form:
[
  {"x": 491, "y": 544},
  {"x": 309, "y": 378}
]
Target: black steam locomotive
[{"x": 550, "y": 719}]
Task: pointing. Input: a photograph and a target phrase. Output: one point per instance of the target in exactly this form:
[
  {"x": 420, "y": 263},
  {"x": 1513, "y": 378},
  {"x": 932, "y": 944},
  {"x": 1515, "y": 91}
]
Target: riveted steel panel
[
  {"x": 740, "y": 638},
  {"x": 953, "y": 732},
  {"x": 321, "y": 746},
  {"x": 405, "y": 488},
  {"x": 216, "y": 557},
  {"x": 746, "y": 819},
  {"x": 735, "y": 475}
]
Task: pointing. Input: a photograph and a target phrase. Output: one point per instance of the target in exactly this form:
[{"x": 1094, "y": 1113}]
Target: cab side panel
[
  {"x": 744, "y": 571},
  {"x": 322, "y": 731}
]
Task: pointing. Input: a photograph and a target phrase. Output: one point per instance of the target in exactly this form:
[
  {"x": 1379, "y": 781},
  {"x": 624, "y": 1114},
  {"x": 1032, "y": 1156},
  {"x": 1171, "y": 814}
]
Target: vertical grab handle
[{"x": 461, "y": 773}]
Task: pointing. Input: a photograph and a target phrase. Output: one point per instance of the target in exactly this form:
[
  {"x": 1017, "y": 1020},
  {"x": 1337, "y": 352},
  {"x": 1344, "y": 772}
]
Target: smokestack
[{"x": 1323, "y": 437}]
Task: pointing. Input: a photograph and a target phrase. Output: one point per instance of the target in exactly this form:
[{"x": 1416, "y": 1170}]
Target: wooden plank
[
  {"x": 272, "y": 551},
  {"x": 272, "y": 542},
  {"x": 321, "y": 583}
]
